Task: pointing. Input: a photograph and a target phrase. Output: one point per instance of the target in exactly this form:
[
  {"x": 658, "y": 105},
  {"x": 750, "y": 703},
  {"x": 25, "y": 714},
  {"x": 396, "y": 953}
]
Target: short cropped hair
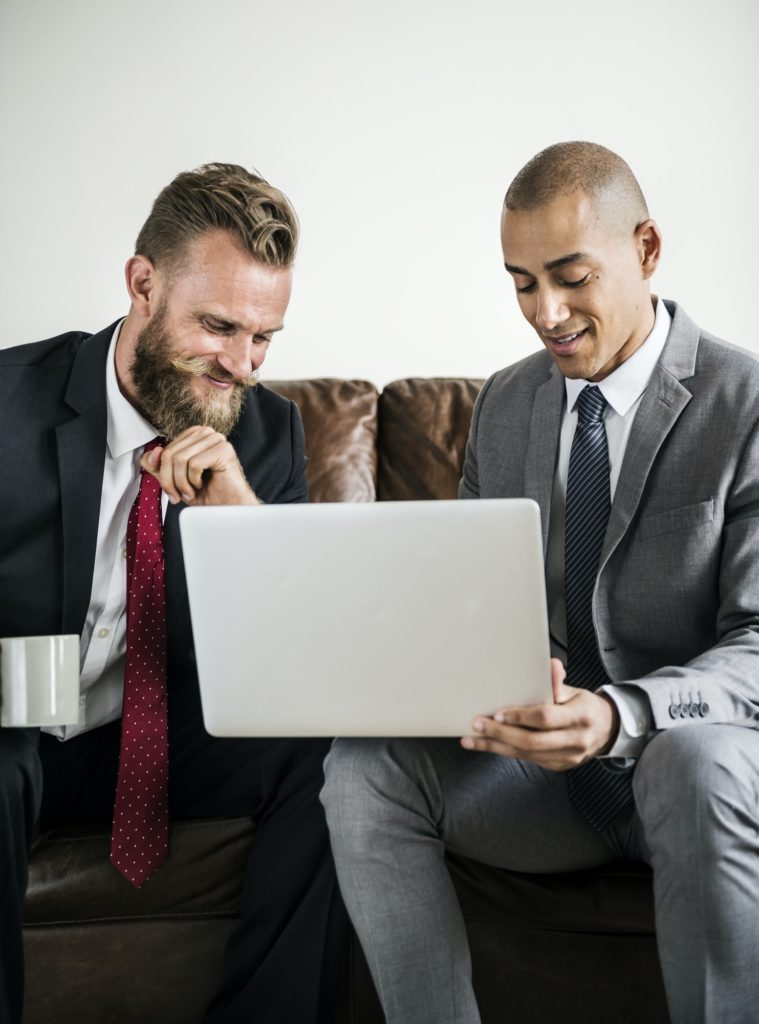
[
  {"x": 568, "y": 167},
  {"x": 220, "y": 197}
]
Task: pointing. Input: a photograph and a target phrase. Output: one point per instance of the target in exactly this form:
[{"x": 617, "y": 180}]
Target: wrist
[{"x": 613, "y": 727}]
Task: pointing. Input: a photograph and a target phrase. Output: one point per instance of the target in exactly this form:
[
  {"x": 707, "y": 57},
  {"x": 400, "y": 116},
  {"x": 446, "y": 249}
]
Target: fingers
[
  {"x": 553, "y": 749},
  {"x": 556, "y": 736},
  {"x": 536, "y": 716},
  {"x": 179, "y": 467},
  {"x": 558, "y": 675},
  {"x": 186, "y": 459},
  {"x": 542, "y": 716},
  {"x": 553, "y": 760}
]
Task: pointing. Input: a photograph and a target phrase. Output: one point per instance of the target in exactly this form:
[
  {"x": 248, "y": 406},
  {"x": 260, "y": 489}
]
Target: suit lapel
[
  {"x": 661, "y": 405},
  {"x": 543, "y": 446},
  {"x": 176, "y": 584},
  {"x": 81, "y": 456}
]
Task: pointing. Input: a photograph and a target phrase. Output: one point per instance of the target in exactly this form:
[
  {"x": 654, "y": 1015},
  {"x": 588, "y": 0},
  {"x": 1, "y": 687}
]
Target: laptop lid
[{"x": 377, "y": 619}]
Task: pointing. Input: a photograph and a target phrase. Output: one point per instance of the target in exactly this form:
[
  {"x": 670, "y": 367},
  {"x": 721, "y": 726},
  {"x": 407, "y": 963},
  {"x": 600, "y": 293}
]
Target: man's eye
[
  {"x": 577, "y": 284},
  {"x": 527, "y": 289},
  {"x": 216, "y": 328}
]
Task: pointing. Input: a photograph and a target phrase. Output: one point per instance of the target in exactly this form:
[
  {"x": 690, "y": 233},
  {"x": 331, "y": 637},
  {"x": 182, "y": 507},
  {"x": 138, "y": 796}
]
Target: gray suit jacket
[{"x": 676, "y": 603}]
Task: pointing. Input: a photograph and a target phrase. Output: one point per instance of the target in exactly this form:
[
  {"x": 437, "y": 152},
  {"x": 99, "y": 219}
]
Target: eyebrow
[{"x": 562, "y": 261}]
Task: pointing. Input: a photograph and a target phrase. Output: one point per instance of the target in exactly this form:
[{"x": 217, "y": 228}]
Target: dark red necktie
[{"x": 140, "y": 838}]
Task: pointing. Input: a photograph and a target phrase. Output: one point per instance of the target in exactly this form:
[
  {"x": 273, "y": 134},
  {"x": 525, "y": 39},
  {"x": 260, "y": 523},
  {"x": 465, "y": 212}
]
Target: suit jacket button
[
  {"x": 703, "y": 709},
  {"x": 684, "y": 710},
  {"x": 674, "y": 711},
  {"x": 694, "y": 709}
]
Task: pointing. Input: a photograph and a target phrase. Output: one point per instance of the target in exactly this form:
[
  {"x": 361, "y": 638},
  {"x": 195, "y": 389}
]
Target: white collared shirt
[
  {"x": 103, "y": 641},
  {"x": 623, "y": 390}
]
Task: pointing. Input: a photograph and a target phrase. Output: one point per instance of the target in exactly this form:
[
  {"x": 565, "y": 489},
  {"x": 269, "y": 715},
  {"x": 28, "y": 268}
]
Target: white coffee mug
[{"x": 39, "y": 680}]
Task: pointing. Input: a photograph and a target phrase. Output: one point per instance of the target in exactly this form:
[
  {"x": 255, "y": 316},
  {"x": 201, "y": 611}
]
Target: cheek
[
  {"x": 526, "y": 306},
  {"x": 259, "y": 354},
  {"x": 198, "y": 343}
]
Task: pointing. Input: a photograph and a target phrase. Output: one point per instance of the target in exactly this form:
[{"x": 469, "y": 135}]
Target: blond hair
[{"x": 223, "y": 197}]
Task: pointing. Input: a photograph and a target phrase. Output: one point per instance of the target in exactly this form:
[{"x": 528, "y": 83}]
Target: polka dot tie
[{"x": 140, "y": 838}]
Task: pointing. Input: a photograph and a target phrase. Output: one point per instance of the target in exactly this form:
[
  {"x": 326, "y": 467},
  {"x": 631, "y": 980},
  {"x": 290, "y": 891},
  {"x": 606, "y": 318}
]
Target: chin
[{"x": 570, "y": 370}]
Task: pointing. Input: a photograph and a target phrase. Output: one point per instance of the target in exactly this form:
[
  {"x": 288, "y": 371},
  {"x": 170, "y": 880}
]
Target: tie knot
[
  {"x": 155, "y": 443},
  {"x": 590, "y": 405}
]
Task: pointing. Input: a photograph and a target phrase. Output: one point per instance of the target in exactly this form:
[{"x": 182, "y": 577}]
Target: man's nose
[
  {"x": 552, "y": 309},
  {"x": 240, "y": 356}
]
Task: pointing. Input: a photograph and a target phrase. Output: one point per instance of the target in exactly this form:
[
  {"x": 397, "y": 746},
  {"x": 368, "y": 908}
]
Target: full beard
[{"x": 162, "y": 383}]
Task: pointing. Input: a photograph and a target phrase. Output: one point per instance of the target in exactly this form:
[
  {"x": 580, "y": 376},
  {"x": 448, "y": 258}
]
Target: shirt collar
[
  {"x": 626, "y": 384},
  {"x": 127, "y": 429}
]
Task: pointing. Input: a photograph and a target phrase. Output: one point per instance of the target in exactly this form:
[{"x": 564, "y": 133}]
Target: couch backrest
[
  {"x": 423, "y": 429},
  {"x": 406, "y": 443},
  {"x": 340, "y": 421}
]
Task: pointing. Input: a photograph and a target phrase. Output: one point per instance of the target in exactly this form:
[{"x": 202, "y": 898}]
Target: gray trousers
[{"x": 394, "y": 807}]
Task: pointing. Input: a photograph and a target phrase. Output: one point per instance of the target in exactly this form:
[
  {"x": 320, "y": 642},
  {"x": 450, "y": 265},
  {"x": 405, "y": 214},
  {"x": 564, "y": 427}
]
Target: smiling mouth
[
  {"x": 222, "y": 385},
  {"x": 564, "y": 344},
  {"x": 565, "y": 339}
]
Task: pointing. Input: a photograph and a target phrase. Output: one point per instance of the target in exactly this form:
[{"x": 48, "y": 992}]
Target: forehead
[
  {"x": 217, "y": 270},
  {"x": 569, "y": 224}
]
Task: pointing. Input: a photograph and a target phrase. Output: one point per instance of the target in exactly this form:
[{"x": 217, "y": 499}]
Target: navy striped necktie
[{"x": 599, "y": 794}]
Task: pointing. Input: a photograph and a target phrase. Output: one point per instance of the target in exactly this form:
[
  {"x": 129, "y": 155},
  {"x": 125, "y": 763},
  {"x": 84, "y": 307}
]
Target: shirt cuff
[{"x": 634, "y": 720}]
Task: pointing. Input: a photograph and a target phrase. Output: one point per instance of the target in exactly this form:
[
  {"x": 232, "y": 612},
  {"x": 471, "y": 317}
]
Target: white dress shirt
[
  {"x": 623, "y": 390},
  {"x": 103, "y": 641}
]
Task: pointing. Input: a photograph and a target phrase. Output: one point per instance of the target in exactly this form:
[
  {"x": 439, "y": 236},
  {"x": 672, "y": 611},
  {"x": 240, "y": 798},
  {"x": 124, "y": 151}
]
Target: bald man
[{"x": 638, "y": 435}]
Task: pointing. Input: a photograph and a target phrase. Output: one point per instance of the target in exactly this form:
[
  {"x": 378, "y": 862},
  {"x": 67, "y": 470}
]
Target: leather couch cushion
[
  {"x": 423, "y": 430},
  {"x": 99, "y": 951},
  {"x": 71, "y": 879},
  {"x": 154, "y": 971},
  {"x": 614, "y": 899},
  {"x": 340, "y": 421},
  {"x": 83, "y": 921}
]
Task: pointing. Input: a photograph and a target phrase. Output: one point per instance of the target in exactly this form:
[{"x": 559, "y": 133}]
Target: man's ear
[
  {"x": 648, "y": 242},
  {"x": 141, "y": 284}
]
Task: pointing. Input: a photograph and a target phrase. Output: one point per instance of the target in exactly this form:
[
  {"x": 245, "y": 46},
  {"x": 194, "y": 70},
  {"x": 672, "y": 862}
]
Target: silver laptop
[{"x": 385, "y": 619}]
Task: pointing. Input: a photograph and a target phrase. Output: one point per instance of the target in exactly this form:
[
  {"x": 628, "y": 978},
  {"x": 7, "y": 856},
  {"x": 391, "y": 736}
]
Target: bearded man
[{"x": 105, "y": 438}]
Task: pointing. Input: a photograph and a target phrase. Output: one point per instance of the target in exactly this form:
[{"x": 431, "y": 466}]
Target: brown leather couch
[{"x": 572, "y": 948}]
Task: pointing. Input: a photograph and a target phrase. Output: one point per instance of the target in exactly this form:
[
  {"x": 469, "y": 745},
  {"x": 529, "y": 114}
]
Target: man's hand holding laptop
[{"x": 577, "y": 726}]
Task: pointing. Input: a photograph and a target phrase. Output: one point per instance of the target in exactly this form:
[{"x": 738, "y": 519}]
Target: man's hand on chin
[
  {"x": 200, "y": 467},
  {"x": 578, "y": 726}
]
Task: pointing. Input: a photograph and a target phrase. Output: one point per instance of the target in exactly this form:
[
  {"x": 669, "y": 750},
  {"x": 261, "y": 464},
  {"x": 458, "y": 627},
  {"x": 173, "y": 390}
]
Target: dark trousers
[{"x": 292, "y": 921}]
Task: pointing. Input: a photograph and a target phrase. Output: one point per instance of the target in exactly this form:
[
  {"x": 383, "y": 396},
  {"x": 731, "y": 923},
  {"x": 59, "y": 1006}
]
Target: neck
[{"x": 125, "y": 347}]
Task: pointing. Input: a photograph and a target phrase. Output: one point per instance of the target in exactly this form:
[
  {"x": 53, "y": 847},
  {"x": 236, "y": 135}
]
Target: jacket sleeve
[
  {"x": 296, "y": 487},
  {"x": 469, "y": 486}
]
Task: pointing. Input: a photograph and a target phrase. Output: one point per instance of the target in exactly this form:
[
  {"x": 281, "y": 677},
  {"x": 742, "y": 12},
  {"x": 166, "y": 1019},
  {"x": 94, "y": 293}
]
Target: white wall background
[{"x": 395, "y": 128}]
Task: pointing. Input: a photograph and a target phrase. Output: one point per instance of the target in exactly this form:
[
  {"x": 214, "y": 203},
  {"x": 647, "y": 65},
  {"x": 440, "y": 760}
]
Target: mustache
[{"x": 197, "y": 366}]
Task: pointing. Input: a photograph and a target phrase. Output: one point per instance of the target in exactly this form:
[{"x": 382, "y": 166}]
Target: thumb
[
  {"x": 151, "y": 460},
  {"x": 561, "y": 693}
]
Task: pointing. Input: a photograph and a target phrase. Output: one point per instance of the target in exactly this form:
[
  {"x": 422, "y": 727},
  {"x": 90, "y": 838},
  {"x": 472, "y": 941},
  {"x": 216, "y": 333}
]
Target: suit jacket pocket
[{"x": 675, "y": 519}]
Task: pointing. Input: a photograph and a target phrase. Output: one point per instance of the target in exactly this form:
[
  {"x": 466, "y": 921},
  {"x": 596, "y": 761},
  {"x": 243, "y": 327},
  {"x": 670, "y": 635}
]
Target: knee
[
  {"x": 348, "y": 770},
  {"x": 367, "y": 784},
  {"x": 692, "y": 782}
]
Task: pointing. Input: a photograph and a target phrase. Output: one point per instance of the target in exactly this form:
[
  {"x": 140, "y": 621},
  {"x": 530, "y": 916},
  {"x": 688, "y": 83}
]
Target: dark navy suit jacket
[{"x": 52, "y": 452}]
